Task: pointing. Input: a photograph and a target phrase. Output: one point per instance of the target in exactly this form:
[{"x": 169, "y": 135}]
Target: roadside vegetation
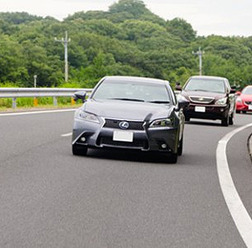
[{"x": 128, "y": 39}]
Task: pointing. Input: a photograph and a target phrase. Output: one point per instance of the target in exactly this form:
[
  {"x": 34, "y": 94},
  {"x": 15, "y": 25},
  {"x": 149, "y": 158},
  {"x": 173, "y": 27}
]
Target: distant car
[
  {"x": 244, "y": 100},
  {"x": 130, "y": 113},
  {"x": 210, "y": 98}
]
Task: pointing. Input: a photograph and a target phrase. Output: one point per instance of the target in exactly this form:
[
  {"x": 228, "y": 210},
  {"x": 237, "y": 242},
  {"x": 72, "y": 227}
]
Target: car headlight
[
  {"x": 239, "y": 100},
  {"x": 80, "y": 114},
  {"x": 222, "y": 101},
  {"x": 168, "y": 122}
]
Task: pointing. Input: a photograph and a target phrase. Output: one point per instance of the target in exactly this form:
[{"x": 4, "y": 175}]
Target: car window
[
  {"x": 149, "y": 92},
  {"x": 209, "y": 85},
  {"x": 247, "y": 91}
]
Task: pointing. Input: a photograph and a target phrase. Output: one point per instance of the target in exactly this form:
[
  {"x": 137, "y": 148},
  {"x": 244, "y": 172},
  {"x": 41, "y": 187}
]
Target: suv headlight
[
  {"x": 80, "y": 114},
  {"x": 221, "y": 101},
  {"x": 168, "y": 122}
]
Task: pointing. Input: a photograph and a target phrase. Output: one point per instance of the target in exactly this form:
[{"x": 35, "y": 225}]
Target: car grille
[
  {"x": 200, "y": 99},
  {"x": 133, "y": 125},
  {"x": 248, "y": 102},
  {"x": 107, "y": 141}
]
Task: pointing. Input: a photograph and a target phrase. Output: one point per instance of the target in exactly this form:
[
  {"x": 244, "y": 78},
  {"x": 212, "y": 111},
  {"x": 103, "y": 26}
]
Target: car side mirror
[
  {"x": 233, "y": 90},
  {"x": 178, "y": 87},
  {"x": 182, "y": 103},
  {"x": 80, "y": 95},
  {"x": 238, "y": 93}
]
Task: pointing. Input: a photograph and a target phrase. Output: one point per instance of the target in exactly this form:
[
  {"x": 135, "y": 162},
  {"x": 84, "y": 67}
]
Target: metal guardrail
[{"x": 15, "y": 93}]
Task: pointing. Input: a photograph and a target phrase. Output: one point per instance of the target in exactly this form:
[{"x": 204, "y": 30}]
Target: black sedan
[{"x": 130, "y": 113}]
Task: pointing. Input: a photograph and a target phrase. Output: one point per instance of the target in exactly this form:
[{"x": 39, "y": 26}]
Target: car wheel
[
  {"x": 79, "y": 150},
  {"x": 238, "y": 111},
  {"x": 244, "y": 112},
  {"x": 180, "y": 148},
  {"x": 231, "y": 119},
  {"x": 173, "y": 158},
  {"x": 187, "y": 119},
  {"x": 224, "y": 122}
]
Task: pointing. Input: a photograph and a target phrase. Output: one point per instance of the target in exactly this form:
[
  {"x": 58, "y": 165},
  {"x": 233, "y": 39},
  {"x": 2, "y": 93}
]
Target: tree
[{"x": 182, "y": 29}]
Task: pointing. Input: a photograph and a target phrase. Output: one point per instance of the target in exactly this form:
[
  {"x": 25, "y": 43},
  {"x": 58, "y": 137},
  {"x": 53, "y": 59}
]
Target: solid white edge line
[
  {"x": 237, "y": 210},
  {"x": 37, "y": 112},
  {"x": 66, "y": 134}
]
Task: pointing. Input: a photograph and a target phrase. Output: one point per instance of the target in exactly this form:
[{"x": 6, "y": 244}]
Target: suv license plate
[
  {"x": 200, "y": 109},
  {"x": 125, "y": 136},
  {"x": 250, "y": 107}
]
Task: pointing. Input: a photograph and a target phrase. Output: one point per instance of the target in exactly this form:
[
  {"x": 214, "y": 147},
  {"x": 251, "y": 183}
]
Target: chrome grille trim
[{"x": 201, "y": 99}]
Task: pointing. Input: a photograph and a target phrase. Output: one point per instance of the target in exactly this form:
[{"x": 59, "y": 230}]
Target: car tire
[
  {"x": 187, "y": 119},
  {"x": 238, "y": 111},
  {"x": 180, "y": 148},
  {"x": 173, "y": 158},
  {"x": 79, "y": 150},
  {"x": 244, "y": 112},
  {"x": 224, "y": 122},
  {"x": 231, "y": 120}
]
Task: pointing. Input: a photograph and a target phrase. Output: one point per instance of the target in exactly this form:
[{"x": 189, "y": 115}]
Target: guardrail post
[
  {"x": 14, "y": 102},
  {"x": 72, "y": 101},
  {"x": 55, "y": 102},
  {"x": 35, "y": 101}
]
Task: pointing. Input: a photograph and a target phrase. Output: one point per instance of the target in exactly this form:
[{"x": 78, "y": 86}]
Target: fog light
[
  {"x": 83, "y": 139},
  {"x": 164, "y": 146}
]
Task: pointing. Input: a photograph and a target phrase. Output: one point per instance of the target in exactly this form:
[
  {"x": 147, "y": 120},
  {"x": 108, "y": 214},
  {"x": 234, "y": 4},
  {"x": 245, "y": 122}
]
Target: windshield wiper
[
  {"x": 127, "y": 99},
  {"x": 165, "y": 102},
  {"x": 201, "y": 90}
]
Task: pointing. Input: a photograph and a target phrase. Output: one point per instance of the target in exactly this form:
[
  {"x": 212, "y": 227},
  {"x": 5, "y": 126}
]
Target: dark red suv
[{"x": 210, "y": 98}]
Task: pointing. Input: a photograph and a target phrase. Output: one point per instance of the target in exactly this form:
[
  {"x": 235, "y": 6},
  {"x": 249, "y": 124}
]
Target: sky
[{"x": 219, "y": 17}]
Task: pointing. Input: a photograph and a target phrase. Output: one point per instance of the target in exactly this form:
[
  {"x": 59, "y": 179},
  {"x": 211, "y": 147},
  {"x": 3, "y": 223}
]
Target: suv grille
[{"x": 201, "y": 99}]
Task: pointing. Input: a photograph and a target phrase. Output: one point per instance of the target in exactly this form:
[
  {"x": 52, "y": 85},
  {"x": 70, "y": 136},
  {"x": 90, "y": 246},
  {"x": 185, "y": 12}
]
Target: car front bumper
[
  {"x": 243, "y": 107},
  {"x": 149, "y": 139},
  {"x": 213, "y": 112}
]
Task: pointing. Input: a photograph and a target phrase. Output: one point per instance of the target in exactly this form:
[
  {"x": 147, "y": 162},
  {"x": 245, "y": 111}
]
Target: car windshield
[
  {"x": 247, "y": 91},
  {"x": 209, "y": 85},
  {"x": 132, "y": 91}
]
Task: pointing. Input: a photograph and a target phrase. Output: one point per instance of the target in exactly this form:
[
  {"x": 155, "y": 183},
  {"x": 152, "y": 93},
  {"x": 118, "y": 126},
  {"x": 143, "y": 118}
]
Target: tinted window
[
  {"x": 132, "y": 91},
  {"x": 209, "y": 85}
]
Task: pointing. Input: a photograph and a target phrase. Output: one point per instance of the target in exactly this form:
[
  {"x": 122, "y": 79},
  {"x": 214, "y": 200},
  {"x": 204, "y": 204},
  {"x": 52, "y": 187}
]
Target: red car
[{"x": 244, "y": 100}]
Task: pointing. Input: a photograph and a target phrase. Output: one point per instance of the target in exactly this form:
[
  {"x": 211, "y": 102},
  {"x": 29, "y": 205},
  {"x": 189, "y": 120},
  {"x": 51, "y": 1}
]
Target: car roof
[
  {"x": 123, "y": 79},
  {"x": 209, "y": 77}
]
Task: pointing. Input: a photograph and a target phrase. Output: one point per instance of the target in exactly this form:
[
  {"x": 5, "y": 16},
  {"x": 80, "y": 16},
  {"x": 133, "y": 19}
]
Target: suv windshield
[
  {"x": 132, "y": 91},
  {"x": 209, "y": 85}
]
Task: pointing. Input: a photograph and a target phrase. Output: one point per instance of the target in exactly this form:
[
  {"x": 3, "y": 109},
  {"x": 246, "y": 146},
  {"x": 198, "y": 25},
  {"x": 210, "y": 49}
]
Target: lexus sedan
[
  {"x": 130, "y": 113},
  {"x": 210, "y": 98},
  {"x": 244, "y": 100}
]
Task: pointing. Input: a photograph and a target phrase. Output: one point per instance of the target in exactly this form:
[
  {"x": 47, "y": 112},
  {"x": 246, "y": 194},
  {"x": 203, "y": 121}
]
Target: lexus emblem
[{"x": 124, "y": 125}]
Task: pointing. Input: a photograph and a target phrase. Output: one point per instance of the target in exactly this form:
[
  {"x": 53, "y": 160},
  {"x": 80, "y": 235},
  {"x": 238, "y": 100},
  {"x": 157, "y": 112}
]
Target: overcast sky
[{"x": 220, "y": 17}]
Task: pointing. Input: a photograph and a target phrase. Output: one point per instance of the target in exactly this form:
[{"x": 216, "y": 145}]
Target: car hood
[
  {"x": 125, "y": 110},
  {"x": 215, "y": 95}
]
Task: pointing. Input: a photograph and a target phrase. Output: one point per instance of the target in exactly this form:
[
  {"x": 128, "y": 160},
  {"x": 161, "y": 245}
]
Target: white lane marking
[
  {"x": 237, "y": 210},
  {"x": 37, "y": 112},
  {"x": 66, "y": 134}
]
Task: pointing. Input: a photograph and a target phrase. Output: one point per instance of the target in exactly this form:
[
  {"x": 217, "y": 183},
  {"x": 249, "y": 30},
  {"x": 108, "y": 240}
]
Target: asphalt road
[{"x": 50, "y": 198}]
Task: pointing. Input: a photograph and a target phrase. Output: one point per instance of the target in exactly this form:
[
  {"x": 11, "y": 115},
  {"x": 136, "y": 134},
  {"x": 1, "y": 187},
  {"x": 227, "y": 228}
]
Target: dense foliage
[{"x": 128, "y": 39}]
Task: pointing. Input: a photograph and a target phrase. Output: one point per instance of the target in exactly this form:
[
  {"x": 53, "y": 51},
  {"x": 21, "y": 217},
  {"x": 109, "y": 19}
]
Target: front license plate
[
  {"x": 125, "y": 136},
  {"x": 250, "y": 107},
  {"x": 200, "y": 109}
]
